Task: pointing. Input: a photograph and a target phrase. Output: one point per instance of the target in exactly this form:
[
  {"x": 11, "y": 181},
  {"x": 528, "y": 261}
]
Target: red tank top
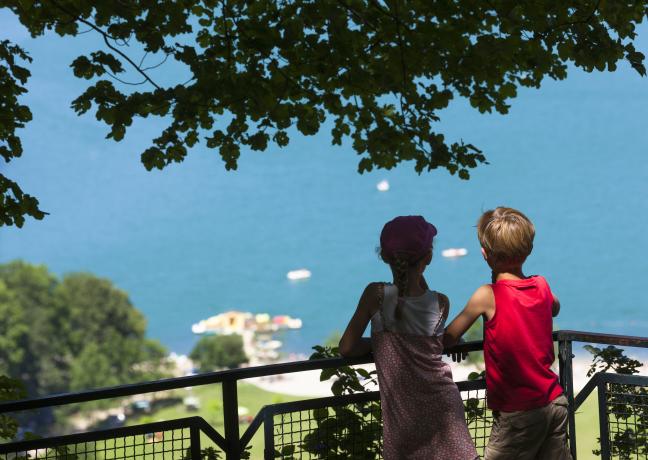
[{"x": 518, "y": 347}]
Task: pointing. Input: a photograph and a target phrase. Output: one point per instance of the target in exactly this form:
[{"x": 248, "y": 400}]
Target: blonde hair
[{"x": 506, "y": 235}]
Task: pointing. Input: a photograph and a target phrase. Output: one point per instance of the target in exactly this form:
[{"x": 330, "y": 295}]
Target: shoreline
[{"x": 308, "y": 384}]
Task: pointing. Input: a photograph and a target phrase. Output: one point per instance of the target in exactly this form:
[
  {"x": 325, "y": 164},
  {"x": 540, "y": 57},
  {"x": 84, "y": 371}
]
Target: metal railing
[
  {"x": 178, "y": 438},
  {"x": 291, "y": 430}
]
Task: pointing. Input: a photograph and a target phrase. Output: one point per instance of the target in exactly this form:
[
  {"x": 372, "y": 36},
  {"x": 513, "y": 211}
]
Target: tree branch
[{"x": 108, "y": 44}]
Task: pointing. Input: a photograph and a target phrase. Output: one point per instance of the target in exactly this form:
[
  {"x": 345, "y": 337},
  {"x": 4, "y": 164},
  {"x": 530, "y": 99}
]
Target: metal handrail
[
  {"x": 232, "y": 443},
  {"x": 233, "y": 375},
  {"x": 600, "y": 338},
  {"x": 230, "y": 375},
  {"x": 607, "y": 377}
]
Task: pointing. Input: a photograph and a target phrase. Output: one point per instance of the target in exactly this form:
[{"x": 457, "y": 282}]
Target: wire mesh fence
[
  {"x": 478, "y": 417},
  {"x": 355, "y": 430},
  {"x": 178, "y": 439},
  {"x": 626, "y": 413},
  {"x": 350, "y": 431},
  {"x": 162, "y": 445}
]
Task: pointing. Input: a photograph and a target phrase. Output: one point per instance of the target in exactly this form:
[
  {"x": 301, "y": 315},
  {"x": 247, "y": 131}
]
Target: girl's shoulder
[
  {"x": 372, "y": 297},
  {"x": 375, "y": 287}
]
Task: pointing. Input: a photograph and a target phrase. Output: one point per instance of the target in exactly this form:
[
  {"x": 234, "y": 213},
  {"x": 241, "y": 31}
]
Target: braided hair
[{"x": 400, "y": 267}]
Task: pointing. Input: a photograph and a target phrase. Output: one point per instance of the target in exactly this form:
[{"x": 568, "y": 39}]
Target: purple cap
[{"x": 408, "y": 235}]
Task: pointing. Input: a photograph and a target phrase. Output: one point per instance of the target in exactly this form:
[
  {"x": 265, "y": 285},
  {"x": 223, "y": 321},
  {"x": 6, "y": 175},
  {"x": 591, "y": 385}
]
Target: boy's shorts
[{"x": 532, "y": 434}]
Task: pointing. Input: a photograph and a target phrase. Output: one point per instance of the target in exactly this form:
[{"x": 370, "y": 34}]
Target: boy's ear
[{"x": 483, "y": 251}]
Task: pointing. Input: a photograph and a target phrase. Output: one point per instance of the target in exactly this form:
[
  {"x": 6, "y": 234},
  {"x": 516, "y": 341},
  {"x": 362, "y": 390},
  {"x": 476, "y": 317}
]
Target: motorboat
[
  {"x": 382, "y": 186},
  {"x": 453, "y": 253},
  {"x": 300, "y": 274}
]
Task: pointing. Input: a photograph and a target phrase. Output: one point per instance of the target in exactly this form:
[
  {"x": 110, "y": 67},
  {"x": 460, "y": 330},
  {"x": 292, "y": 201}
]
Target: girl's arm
[
  {"x": 352, "y": 343},
  {"x": 482, "y": 302}
]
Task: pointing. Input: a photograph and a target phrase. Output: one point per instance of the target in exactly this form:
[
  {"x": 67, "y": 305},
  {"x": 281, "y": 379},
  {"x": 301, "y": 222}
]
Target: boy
[{"x": 529, "y": 408}]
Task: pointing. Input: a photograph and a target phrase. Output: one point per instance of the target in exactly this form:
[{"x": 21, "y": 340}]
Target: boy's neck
[{"x": 509, "y": 273}]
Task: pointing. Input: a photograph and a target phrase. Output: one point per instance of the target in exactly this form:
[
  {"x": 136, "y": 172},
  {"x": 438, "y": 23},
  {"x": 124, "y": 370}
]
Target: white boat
[
  {"x": 199, "y": 328},
  {"x": 453, "y": 253},
  {"x": 269, "y": 345},
  {"x": 382, "y": 186},
  {"x": 300, "y": 274}
]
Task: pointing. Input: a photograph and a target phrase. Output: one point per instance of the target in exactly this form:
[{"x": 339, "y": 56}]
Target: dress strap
[
  {"x": 443, "y": 311},
  {"x": 381, "y": 301}
]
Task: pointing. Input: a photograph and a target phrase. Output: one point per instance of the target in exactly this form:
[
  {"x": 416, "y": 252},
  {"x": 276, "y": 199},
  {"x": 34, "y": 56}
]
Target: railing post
[
  {"x": 567, "y": 382},
  {"x": 268, "y": 434},
  {"x": 194, "y": 434},
  {"x": 230, "y": 414},
  {"x": 604, "y": 429}
]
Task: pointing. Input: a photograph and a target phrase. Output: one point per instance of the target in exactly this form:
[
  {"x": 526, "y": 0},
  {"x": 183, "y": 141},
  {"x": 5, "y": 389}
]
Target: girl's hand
[{"x": 459, "y": 356}]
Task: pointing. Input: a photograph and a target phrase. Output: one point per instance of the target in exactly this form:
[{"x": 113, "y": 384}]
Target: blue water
[{"x": 195, "y": 240}]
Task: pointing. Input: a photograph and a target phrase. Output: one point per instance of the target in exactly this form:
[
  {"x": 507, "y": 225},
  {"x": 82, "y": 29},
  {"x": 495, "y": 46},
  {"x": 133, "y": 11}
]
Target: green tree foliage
[
  {"x": 333, "y": 339},
  {"x": 14, "y": 203},
  {"x": 10, "y": 389},
  {"x": 218, "y": 351},
  {"x": 25, "y": 327},
  {"x": 374, "y": 73},
  {"x": 625, "y": 403},
  {"x": 76, "y": 333}
]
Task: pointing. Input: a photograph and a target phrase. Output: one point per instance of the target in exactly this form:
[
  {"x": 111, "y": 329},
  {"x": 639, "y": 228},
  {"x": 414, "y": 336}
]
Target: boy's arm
[
  {"x": 352, "y": 343},
  {"x": 482, "y": 302},
  {"x": 555, "y": 308}
]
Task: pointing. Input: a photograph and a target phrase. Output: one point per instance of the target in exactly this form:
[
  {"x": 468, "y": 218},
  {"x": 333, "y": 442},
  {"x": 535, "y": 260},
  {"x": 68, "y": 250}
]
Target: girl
[{"x": 423, "y": 415}]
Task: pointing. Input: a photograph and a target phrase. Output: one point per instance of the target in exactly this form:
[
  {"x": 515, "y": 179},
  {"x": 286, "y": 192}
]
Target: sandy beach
[{"x": 308, "y": 383}]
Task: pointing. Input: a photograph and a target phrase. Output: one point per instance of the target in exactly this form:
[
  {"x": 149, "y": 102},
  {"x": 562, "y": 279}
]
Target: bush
[{"x": 218, "y": 351}]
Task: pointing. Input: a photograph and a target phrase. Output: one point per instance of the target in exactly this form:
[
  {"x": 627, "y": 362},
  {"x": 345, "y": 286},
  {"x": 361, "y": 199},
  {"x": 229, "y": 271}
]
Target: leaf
[
  {"x": 320, "y": 413},
  {"x": 261, "y": 69},
  {"x": 477, "y": 375},
  {"x": 363, "y": 372},
  {"x": 327, "y": 374},
  {"x": 337, "y": 388},
  {"x": 288, "y": 450}
]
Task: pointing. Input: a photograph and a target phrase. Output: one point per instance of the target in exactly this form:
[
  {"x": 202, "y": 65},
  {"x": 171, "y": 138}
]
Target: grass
[
  {"x": 211, "y": 409},
  {"x": 587, "y": 428}
]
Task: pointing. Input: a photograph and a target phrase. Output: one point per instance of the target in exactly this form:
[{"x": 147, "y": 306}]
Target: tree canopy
[
  {"x": 217, "y": 351},
  {"x": 53, "y": 331},
  {"x": 375, "y": 73}
]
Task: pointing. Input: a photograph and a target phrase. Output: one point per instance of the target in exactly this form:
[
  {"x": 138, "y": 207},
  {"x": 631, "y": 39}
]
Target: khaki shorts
[{"x": 535, "y": 434}]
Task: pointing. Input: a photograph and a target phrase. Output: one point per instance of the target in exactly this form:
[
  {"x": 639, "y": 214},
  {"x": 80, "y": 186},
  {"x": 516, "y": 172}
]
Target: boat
[
  {"x": 269, "y": 345},
  {"x": 199, "y": 328},
  {"x": 453, "y": 253},
  {"x": 237, "y": 322},
  {"x": 286, "y": 322},
  {"x": 300, "y": 274},
  {"x": 382, "y": 186}
]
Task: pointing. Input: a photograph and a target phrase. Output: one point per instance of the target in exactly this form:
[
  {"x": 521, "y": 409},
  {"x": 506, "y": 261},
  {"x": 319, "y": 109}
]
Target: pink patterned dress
[{"x": 422, "y": 410}]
